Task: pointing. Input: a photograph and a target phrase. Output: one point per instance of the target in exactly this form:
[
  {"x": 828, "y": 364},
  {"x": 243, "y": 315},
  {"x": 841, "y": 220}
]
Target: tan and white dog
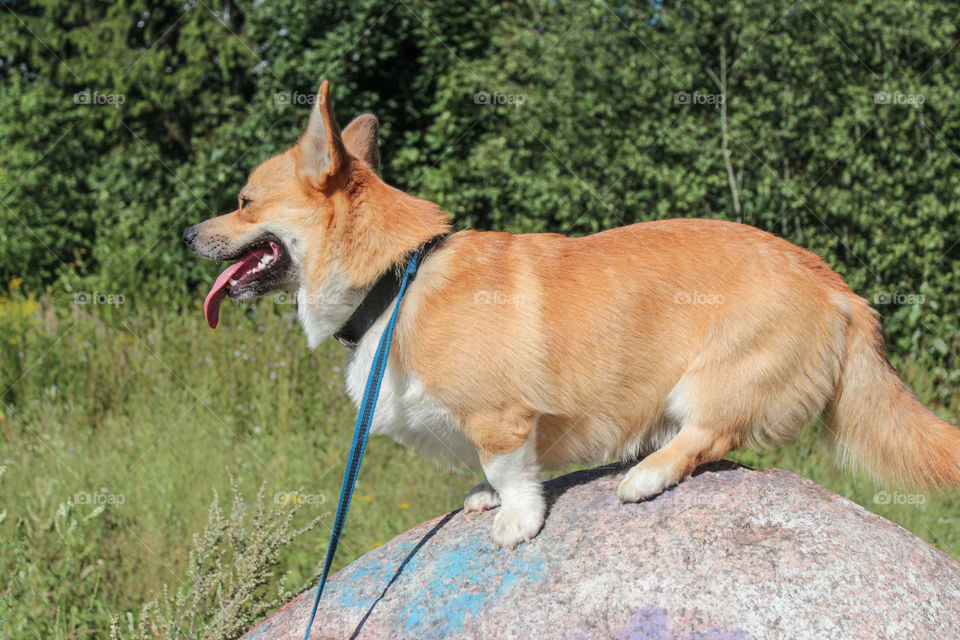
[{"x": 676, "y": 340}]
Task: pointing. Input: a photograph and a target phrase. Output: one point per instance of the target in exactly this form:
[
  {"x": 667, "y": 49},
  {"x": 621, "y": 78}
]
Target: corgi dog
[{"x": 672, "y": 342}]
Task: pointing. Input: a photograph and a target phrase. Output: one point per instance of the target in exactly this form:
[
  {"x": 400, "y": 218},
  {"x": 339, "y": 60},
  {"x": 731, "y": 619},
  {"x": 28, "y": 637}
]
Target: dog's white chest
[{"x": 405, "y": 411}]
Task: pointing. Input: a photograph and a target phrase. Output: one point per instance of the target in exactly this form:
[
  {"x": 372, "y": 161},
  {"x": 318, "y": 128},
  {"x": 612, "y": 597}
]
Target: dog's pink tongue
[{"x": 211, "y": 305}]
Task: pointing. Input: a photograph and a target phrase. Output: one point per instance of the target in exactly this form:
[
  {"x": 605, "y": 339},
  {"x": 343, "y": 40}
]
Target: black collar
[{"x": 378, "y": 299}]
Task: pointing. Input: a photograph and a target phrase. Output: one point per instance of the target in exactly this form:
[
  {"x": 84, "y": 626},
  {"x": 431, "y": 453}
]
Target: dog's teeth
[
  {"x": 233, "y": 282},
  {"x": 267, "y": 259}
]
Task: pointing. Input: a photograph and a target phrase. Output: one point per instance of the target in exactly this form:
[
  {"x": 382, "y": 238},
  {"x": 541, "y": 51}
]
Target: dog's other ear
[
  {"x": 322, "y": 154},
  {"x": 360, "y": 138}
]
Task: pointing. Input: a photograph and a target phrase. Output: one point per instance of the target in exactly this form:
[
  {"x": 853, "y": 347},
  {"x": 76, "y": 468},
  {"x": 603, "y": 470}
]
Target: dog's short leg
[
  {"x": 507, "y": 444},
  {"x": 665, "y": 467},
  {"x": 481, "y": 498},
  {"x": 516, "y": 478}
]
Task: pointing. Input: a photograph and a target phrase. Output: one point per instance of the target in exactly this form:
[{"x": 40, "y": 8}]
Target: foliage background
[{"x": 122, "y": 123}]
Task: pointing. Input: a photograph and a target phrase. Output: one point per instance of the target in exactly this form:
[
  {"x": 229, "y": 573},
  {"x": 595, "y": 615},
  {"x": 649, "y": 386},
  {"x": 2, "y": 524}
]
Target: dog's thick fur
[{"x": 677, "y": 340}]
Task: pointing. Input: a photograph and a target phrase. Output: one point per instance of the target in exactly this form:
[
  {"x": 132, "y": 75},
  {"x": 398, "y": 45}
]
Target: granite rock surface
[{"x": 731, "y": 553}]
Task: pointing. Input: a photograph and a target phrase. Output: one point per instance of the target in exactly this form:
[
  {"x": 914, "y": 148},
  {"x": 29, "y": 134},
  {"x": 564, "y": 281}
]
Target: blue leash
[{"x": 361, "y": 431}]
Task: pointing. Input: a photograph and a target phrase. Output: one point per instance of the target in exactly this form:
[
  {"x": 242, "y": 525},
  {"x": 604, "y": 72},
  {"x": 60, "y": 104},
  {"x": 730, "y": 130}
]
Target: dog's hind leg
[{"x": 673, "y": 463}]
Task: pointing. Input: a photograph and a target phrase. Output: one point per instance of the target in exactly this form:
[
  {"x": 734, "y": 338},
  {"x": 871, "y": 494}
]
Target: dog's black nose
[{"x": 189, "y": 235}]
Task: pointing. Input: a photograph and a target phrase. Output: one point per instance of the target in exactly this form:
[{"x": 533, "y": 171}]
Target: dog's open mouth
[{"x": 260, "y": 267}]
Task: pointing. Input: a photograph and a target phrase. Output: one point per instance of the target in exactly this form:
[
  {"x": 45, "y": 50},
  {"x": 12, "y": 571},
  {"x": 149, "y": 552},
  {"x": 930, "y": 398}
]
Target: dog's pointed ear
[
  {"x": 360, "y": 138},
  {"x": 322, "y": 154}
]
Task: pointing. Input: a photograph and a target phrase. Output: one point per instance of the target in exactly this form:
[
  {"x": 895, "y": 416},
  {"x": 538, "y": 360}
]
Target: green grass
[
  {"x": 146, "y": 414},
  {"x": 146, "y": 417}
]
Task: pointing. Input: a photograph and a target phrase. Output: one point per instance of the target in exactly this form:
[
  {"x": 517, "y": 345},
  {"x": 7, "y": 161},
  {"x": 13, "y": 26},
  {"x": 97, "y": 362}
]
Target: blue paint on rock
[
  {"x": 452, "y": 582},
  {"x": 459, "y": 580}
]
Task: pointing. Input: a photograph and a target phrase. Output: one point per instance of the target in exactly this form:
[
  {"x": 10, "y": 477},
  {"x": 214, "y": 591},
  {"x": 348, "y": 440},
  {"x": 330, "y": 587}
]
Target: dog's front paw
[
  {"x": 515, "y": 525},
  {"x": 480, "y": 498}
]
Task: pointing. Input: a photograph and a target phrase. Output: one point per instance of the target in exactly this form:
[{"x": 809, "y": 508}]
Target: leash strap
[{"x": 360, "y": 433}]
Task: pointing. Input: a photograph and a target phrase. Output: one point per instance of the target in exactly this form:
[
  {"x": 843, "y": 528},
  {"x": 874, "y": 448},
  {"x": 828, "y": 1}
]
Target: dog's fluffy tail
[{"x": 877, "y": 422}]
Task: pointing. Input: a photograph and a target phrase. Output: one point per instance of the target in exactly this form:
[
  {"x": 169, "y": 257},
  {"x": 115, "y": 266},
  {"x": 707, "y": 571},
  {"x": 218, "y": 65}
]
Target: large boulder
[{"x": 730, "y": 553}]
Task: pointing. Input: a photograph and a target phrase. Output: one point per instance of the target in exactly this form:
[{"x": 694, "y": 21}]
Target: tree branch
[{"x": 725, "y": 130}]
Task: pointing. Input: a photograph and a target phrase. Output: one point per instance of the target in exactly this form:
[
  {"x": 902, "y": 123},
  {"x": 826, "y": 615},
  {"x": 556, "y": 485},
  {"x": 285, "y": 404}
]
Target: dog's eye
[{"x": 244, "y": 202}]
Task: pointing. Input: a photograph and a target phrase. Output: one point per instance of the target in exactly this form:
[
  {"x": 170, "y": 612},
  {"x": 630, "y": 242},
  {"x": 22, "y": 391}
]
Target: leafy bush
[
  {"x": 232, "y": 569},
  {"x": 839, "y": 129}
]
